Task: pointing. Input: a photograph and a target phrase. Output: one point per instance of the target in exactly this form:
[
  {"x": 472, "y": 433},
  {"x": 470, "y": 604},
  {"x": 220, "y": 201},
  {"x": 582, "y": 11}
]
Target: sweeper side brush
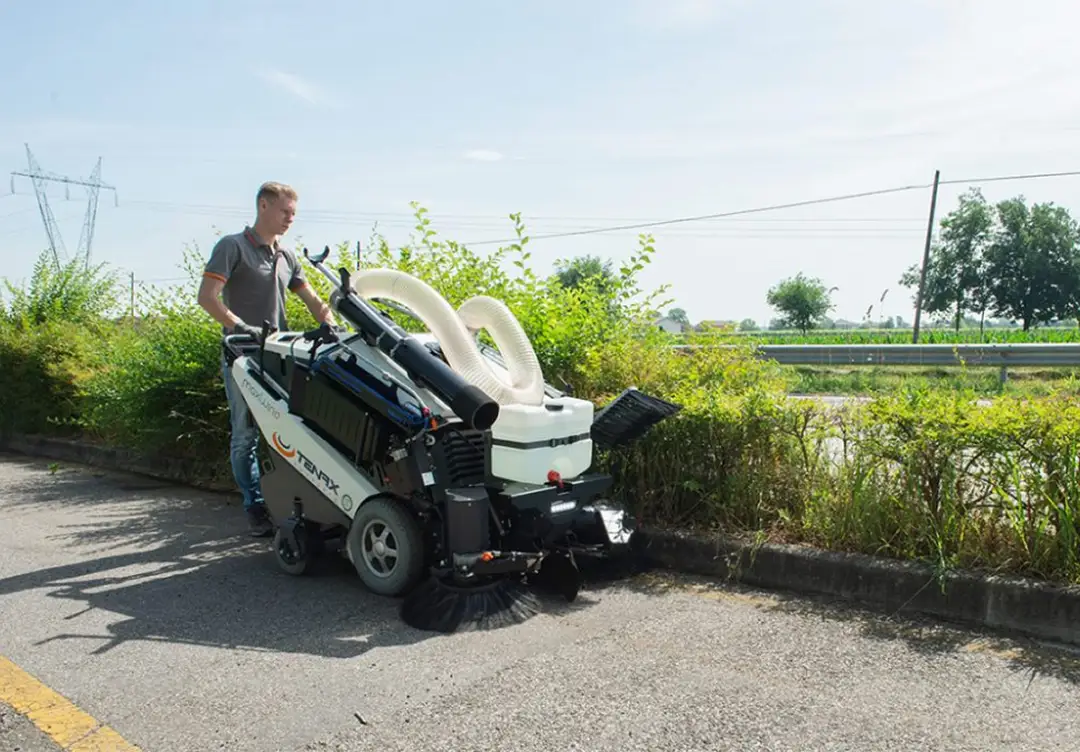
[{"x": 447, "y": 472}]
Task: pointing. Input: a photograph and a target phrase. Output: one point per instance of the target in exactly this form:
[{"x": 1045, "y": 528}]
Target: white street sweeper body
[{"x": 429, "y": 455}]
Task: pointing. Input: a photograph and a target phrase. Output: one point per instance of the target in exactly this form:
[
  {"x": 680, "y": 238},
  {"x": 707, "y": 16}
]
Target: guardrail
[{"x": 1002, "y": 356}]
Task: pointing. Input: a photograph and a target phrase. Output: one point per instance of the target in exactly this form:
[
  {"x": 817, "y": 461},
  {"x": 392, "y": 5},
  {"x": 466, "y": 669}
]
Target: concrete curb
[
  {"x": 1010, "y": 604},
  {"x": 165, "y": 468},
  {"x": 1027, "y": 607}
]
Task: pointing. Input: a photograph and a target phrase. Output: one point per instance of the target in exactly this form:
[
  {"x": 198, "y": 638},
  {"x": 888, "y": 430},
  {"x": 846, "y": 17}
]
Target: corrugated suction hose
[{"x": 452, "y": 329}]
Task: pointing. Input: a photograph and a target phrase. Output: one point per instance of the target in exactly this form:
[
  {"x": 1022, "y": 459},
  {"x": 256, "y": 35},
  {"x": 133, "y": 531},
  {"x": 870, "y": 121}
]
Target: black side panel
[
  {"x": 363, "y": 436},
  {"x": 298, "y": 379},
  {"x": 276, "y": 368},
  {"x": 467, "y": 517}
]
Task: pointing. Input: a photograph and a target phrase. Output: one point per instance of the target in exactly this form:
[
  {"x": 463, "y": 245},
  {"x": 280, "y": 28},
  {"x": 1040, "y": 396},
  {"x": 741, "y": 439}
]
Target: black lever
[
  {"x": 267, "y": 329},
  {"x": 324, "y": 333}
]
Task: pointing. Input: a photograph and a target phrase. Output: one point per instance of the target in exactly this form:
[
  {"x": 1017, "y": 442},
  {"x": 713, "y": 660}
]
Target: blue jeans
[{"x": 243, "y": 443}]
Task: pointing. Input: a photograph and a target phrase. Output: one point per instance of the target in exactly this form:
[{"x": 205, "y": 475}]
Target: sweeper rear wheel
[{"x": 386, "y": 546}]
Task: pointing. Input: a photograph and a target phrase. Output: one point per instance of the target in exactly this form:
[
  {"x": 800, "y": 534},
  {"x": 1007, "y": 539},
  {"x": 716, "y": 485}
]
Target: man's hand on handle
[{"x": 243, "y": 328}]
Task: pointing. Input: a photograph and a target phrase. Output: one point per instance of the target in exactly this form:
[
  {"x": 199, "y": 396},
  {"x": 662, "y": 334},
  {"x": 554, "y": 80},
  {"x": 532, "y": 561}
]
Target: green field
[{"x": 895, "y": 336}]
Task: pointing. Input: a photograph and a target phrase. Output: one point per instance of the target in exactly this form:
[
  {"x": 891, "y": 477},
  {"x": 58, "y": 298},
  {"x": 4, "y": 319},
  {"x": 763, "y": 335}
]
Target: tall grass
[{"x": 917, "y": 473}]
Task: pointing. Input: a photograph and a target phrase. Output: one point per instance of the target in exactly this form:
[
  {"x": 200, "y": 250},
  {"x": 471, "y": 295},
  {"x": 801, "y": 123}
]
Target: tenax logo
[{"x": 315, "y": 472}]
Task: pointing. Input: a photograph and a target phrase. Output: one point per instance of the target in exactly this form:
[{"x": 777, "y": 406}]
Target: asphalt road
[
  {"x": 18, "y": 734},
  {"x": 146, "y": 606}
]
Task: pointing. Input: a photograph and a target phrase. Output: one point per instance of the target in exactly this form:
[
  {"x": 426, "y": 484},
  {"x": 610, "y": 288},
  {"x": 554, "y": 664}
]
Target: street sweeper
[{"x": 448, "y": 472}]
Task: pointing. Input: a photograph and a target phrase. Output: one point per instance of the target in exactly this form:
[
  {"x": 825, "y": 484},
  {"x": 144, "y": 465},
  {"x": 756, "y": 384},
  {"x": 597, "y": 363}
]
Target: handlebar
[
  {"x": 319, "y": 257},
  {"x": 230, "y": 341}
]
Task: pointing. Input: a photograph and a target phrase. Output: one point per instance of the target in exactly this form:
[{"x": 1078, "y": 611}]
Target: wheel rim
[
  {"x": 378, "y": 546},
  {"x": 286, "y": 552}
]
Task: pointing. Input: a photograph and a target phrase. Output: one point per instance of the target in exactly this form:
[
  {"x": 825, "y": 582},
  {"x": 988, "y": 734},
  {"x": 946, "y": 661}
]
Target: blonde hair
[{"x": 272, "y": 191}]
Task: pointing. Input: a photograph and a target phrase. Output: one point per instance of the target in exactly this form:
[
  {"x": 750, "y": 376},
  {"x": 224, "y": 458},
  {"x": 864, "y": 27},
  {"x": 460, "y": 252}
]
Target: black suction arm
[{"x": 475, "y": 408}]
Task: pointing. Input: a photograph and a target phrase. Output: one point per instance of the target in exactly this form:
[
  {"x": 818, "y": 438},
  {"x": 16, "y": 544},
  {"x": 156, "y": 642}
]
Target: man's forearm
[
  {"x": 220, "y": 313},
  {"x": 322, "y": 312}
]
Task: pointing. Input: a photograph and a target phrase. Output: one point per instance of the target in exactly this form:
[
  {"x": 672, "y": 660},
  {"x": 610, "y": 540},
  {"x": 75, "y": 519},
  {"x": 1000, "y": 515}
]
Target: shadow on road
[
  {"x": 175, "y": 566},
  {"x": 178, "y": 567},
  {"x": 923, "y": 635}
]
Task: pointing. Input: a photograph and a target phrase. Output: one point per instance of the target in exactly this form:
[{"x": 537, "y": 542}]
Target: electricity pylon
[{"x": 39, "y": 177}]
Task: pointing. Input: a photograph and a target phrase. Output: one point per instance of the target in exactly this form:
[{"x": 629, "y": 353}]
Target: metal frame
[{"x": 1002, "y": 356}]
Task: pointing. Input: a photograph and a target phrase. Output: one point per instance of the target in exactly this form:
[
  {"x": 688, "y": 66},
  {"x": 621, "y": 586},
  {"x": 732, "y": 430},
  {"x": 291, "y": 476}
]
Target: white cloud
[
  {"x": 484, "y": 155},
  {"x": 297, "y": 86}
]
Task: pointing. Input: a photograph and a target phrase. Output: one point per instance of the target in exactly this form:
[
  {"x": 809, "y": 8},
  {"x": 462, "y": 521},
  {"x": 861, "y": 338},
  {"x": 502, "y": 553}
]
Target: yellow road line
[{"x": 71, "y": 728}]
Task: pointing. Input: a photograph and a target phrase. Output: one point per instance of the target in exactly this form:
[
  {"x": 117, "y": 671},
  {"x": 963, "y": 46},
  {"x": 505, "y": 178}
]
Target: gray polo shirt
[{"x": 247, "y": 265}]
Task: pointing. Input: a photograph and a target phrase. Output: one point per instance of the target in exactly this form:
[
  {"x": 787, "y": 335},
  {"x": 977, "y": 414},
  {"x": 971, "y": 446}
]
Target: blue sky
[{"x": 578, "y": 115}]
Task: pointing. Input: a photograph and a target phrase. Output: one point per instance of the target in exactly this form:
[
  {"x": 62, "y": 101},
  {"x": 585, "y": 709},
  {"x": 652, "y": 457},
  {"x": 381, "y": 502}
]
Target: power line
[
  {"x": 461, "y": 221},
  {"x": 776, "y": 207},
  {"x": 324, "y": 215},
  {"x": 998, "y": 178}
]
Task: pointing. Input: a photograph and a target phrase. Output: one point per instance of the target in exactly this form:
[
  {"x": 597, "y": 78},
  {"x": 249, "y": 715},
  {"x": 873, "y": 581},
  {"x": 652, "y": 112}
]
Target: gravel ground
[{"x": 147, "y": 607}]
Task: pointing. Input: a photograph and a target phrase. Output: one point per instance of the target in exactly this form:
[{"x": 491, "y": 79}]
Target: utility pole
[
  {"x": 926, "y": 258},
  {"x": 39, "y": 177},
  {"x": 131, "y": 308}
]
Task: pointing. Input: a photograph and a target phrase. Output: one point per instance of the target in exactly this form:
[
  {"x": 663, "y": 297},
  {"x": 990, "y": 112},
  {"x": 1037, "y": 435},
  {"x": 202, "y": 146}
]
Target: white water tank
[{"x": 530, "y": 441}]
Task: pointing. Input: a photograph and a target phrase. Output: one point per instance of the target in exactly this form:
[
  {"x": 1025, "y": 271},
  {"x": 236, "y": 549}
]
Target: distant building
[{"x": 669, "y": 325}]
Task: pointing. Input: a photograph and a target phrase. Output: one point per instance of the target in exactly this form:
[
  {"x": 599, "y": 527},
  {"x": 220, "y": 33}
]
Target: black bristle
[{"x": 439, "y": 607}]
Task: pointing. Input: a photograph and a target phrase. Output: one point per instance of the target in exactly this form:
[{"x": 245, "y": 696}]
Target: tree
[
  {"x": 956, "y": 276},
  {"x": 1033, "y": 263},
  {"x": 1007, "y": 259},
  {"x": 679, "y": 315},
  {"x": 572, "y": 273},
  {"x": 801, "y": 301}
]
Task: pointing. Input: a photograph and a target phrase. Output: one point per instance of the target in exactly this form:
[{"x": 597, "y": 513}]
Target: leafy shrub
[
  {"x": 917, "y": 473},
  {"x": 50, "y": 331},
  {"x": 162, "y": 388},
  {"x": 73, "y": 294},
  {"x": 41, "y": 370}
]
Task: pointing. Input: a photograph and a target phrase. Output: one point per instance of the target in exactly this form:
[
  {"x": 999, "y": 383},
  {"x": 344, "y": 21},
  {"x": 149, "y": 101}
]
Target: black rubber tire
[
  {"x": 297, "y": 566},
  {"x": 407, "y": 539}
]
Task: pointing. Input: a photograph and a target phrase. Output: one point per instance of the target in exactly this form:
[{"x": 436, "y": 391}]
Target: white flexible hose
[{"x": 452, "y": 329}]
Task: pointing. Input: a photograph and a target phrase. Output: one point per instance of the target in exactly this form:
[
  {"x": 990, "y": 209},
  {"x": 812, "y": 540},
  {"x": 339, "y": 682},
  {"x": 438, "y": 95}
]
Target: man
[{"x": 244, "y": 284}]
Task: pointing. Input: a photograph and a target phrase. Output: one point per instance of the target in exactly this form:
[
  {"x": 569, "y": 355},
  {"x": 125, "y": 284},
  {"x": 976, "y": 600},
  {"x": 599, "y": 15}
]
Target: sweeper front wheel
[
  {"x": 386, "y": 546},
  {"x": 289, "y": 559}
]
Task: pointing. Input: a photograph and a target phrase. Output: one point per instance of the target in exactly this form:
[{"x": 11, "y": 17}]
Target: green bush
[
  {"x": 917, "y": 473},
  {"x": 42, "y": 369},
  {"x": 51, "y": 336},
  {"x": 161, "y": 388}
]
